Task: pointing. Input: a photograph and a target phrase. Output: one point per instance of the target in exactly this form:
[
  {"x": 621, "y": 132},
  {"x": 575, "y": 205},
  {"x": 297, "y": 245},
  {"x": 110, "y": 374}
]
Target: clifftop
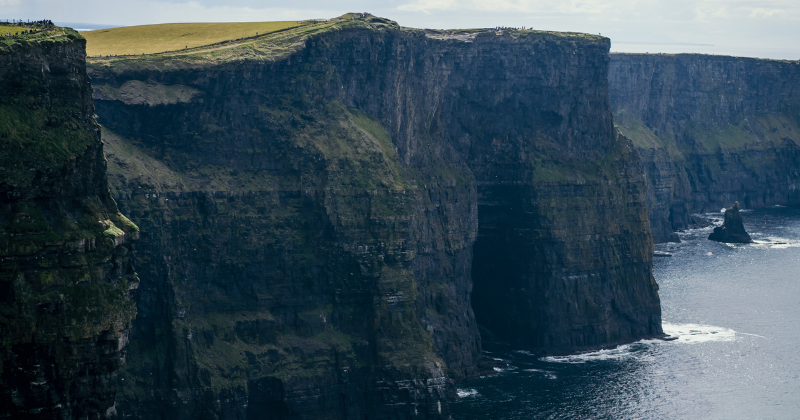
[
  {"x": 189, "y": 45},
  {"x": 22, "y": 34}
]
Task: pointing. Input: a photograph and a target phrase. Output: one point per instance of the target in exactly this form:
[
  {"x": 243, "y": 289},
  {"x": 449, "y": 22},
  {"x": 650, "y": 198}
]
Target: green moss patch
[
  {"x": 38, "y": 139},
  {"x": 762, "y": 131}
]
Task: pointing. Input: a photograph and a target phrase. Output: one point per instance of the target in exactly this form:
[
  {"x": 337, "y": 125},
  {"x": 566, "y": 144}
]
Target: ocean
[{"x": 733, "y": 309}]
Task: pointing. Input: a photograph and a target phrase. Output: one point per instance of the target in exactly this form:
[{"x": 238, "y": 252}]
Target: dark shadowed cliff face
[
  {"x": 316, "y": 208},
  {"x": 65, "y": 271},
  {"x": 711, "y": 130}
]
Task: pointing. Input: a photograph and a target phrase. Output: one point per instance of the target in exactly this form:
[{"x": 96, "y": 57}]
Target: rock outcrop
[
  {"x": 710, "y": 130},
  {"x": 732, "y": 229},
  {"x": 65, "y": 261}
]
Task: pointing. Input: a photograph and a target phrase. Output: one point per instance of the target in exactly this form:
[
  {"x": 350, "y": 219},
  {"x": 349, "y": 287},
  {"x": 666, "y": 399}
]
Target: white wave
[
  {"x": 752, "y": 335},
  {"x": 547, "y": 374},
  {"x": 617, "y": 353},
  {"x": 525, "y": 352},
  {"x": 682, "y": 333},
  {"x": 466, "y": 393},
  {"x": 696, "y": 333},
  {"x": 775, "y": 242}
]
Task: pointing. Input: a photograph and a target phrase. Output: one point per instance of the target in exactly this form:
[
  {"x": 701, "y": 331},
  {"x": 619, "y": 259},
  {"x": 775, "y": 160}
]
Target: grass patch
[
  {"x": 642, "y": 136},
  {"x": 36, "y": 33},
  {"x": 151, "y": 39},
  {"x": 130, "y": 164},
  {"x": 758, "y": 132}
]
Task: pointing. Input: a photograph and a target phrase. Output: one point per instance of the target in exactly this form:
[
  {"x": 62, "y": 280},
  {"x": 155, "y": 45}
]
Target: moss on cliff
[
  {"x": 65, "y": 272},
  {"x": 33, "y": 138},
  {"x": 758, "y": 132}
]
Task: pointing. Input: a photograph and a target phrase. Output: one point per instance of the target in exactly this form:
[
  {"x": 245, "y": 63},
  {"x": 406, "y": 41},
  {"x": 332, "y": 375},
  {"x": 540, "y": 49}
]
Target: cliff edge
[{"x": 65, "y": 268}]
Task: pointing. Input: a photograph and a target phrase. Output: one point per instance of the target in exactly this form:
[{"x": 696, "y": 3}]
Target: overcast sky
[{"x": 754, "y": 28}]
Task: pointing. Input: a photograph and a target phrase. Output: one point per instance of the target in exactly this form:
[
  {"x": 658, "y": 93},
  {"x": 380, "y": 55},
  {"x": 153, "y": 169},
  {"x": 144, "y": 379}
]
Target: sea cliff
[
  {"x": 711, "y": 130},
  {"x": 65, "y": 261},
  {"x": 318, "y": 204}
]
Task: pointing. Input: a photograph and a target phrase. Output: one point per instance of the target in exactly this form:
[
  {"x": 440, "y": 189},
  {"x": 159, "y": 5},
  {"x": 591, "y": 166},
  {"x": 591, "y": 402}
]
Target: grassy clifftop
[
  {"x": 190, "y": 44},
  {"x": 213, "y": 41},
  {"x": 33, "y": 33},
  {"x": 151, "y": 39}
]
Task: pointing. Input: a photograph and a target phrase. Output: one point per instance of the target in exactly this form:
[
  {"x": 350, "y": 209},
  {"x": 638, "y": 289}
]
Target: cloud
[
  {"x": 510, "y": 6},
  {"x": 757, "y": 25},
  {"x": 764, "y": 13}
]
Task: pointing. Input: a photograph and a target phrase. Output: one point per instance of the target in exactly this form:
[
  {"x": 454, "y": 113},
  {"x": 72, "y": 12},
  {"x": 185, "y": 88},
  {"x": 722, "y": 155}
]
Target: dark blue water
[{"x": 736, "y": 310}]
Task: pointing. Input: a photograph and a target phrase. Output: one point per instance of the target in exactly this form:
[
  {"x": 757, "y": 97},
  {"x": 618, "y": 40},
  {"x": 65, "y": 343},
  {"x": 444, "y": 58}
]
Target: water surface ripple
[{"x": 733, "y": 308}]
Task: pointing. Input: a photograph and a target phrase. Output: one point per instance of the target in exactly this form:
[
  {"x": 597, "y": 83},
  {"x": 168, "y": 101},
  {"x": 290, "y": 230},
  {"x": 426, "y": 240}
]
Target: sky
[{"x": 750, "y": 28}]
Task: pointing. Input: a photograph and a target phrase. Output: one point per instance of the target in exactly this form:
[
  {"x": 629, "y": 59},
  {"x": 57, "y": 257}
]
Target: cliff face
[
  {"x": 711, "y": 130},
  {"x": 65, "y": 270},
  {"x": 316, "y": 208}
]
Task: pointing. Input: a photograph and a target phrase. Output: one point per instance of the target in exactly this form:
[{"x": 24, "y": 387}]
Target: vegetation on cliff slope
[
  {"x": 36, "y": 34},
  {"x": 151, "y": 39}
]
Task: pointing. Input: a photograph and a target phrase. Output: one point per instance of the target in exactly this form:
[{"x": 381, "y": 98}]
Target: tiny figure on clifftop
[{"x": 732, "y": 229}]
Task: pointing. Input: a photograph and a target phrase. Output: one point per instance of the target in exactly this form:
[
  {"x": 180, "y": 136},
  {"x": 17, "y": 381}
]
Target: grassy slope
[
  {"x": 237, "y": 41},
  {"x": 150, "y": 39},
  {"x": 762, "y": 131}
]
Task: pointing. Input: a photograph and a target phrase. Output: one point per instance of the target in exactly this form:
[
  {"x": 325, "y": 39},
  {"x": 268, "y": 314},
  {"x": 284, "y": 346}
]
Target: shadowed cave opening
[{"x": 502, "y": 269}]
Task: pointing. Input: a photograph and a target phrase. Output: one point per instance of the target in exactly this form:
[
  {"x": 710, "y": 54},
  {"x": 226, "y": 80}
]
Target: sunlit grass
[{"x": 150, "y": 39}]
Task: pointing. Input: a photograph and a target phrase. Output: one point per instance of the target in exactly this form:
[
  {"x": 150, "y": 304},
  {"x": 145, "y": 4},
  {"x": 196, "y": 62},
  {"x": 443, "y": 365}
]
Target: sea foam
[
  {"x": 466, "y": 393},
  {"x": 697, "y": 333}
]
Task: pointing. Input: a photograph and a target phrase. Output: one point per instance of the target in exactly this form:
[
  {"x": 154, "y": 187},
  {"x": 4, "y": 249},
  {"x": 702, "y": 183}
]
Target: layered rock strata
[
  {"x": 65, "y": 261},
  {"x": 317, "y": 205},
  {"x": 711, "y": 130}
]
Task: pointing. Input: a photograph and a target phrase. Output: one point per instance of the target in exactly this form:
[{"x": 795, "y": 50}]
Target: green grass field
[{"x": 151, "y": 39}]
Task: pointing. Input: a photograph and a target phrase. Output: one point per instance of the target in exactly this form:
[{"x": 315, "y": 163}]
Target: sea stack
[{"x": 732, "y": 229}]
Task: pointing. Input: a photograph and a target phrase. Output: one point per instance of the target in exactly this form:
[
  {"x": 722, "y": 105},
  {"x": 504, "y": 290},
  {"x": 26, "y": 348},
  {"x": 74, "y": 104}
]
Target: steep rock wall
[
  {"x": 65, "y": 269},
  {"x": 310, "y": 219},
  {"x": 711, "y": 130}
]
